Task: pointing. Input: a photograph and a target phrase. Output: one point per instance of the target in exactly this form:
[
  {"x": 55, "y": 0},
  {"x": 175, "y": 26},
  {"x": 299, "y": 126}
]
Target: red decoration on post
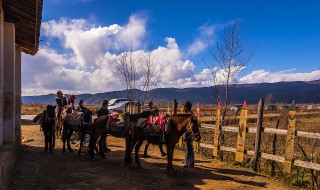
[{"x": 244, "y": 104}]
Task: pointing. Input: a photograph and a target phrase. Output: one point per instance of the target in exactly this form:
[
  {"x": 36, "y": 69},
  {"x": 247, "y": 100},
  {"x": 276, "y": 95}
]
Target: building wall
[
  {"x": 1, "y": 73},
  {"x": 9, "y": 83}
]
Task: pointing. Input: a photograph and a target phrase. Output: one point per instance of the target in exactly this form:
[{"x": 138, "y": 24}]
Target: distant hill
[{"x": 283, "y": 92}]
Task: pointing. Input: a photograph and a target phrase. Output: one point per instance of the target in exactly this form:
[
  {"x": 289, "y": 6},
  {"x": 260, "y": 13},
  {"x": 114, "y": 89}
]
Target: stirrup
[{"x": 163, "y": 140}]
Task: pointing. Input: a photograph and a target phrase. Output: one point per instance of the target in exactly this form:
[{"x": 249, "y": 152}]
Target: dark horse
[
  {"x": 83, "y": 127},
  {"x": 47, "y": 122},
  {"x": 100, "y": 130},
  {"x": 178, "y": 125}
]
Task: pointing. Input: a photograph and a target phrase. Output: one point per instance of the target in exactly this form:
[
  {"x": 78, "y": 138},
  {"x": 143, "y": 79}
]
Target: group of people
[{"x": 62, "y": 102}]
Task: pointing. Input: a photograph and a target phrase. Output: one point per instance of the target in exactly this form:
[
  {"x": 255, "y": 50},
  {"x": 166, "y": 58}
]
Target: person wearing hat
[
  {"x": 101, "y": 112},
  {"x": 189, "y": 156},
  {"x": 104, "y": 109},
  {"x": 61, "y": 103},
  {"x": 81, "y": 108},
  {"x": 155, "y": 112}
]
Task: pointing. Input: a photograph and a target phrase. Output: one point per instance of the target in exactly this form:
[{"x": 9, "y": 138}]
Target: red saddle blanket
[{"x": 157, "y": 120}]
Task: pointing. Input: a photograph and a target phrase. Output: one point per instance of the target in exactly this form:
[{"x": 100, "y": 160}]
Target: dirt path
[{"x": 35, "y": 169}]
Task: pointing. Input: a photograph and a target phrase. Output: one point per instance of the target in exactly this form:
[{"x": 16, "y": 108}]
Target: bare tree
[
  {"x": 230, "y": 55},
  {"x": 151, "y": 74},
  {"x": 137, "y": 71},
  {"x": 126, "y": 69}
]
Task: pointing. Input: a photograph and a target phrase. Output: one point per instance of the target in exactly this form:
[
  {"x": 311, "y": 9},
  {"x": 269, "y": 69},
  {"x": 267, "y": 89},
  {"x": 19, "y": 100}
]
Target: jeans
[{"x": 189, "y": 152}]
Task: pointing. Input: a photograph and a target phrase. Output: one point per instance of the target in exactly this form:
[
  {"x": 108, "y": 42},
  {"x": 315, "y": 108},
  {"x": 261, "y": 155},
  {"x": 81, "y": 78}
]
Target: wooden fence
[{"x": 241, "y": 129}]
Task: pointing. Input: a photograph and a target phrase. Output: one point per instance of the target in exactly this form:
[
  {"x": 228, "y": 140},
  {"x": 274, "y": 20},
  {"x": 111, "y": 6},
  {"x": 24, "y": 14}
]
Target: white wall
[{"x": 9, "y": 83}]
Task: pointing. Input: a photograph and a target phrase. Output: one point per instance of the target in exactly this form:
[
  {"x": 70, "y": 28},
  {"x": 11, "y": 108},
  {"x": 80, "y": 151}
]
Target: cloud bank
[{"x": 78, "y": 57}]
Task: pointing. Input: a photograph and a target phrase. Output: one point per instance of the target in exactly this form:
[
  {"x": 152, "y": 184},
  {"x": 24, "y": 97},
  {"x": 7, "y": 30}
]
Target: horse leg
[
  {"x": 92, "y": 143},
  {"x": 101, "y": 142},
  {"x": 127, "y": 158},
  {"x": 170, "y": 149},
  {"x": 50, "y": 134},
  {"x": 60, "y": 129},
  {"x": 64, "y": 138},
  {"x": 161, "y": 150},
  {"x": 81, "y": 141},
  {"x": 137, "y": 148},
  {"x": 53, "y": 137},
  {"x": 45, "y": 141},
  {"x": 68, "y": 140}
]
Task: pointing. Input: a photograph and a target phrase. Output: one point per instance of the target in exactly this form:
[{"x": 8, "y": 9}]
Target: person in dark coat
[
  {"x": 86, "y": 119},
  {"x": 104, "y": 109},
  {"x": 189, "y": 157},
  {"x": 61, "y": 103},
  {"x": 81, "y": 107}
]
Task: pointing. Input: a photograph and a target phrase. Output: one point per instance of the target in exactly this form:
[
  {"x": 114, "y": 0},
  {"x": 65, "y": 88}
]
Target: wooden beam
[
  {"x": 255, "y": 158},
  {"x": 276, "y": 158},
  {"x": 265, "y": 130}
]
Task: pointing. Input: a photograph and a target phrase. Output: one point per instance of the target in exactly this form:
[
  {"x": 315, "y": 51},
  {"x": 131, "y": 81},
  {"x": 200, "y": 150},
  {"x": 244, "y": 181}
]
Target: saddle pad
[
  {"x": 157, "y": 120},
  {"x": 114, "y": 117},
  {"x": 75, "y": 119}
]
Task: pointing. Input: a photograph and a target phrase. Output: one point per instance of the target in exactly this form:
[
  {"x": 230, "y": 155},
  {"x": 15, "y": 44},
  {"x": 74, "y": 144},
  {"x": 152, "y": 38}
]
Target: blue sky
[{"x": 288, "y": 33}]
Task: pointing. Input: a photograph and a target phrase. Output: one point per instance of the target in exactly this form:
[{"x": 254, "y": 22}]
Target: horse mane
[{"x": 182, "y": 118}]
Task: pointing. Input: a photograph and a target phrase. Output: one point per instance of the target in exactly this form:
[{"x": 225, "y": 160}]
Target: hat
[
  {"x": 81, "y": 101},
  {"x": 188, "y": 104},
  {"x": 105, "y": 102}
]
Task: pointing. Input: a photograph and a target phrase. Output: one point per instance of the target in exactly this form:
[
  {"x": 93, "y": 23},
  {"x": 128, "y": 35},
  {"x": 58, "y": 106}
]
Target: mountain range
[{"x": 282, "y": 92}]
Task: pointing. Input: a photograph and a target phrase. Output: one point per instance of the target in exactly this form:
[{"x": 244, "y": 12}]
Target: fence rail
[
  {"x": 265, "y": 130},
  {"x": 288, "y": 160}
]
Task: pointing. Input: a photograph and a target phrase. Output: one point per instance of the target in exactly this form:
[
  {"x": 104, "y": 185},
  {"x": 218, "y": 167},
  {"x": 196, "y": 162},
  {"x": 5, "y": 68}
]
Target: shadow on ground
[{"x": 36, "y": 169}]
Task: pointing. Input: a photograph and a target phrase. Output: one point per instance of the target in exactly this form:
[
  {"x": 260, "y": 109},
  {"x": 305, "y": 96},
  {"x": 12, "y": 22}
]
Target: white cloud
[
  {"x": 261, "y": 76},
  {"x": 196, "y": 47},
  {"x": 89, "y": 58},
  {"x": 132, "y": 34}
]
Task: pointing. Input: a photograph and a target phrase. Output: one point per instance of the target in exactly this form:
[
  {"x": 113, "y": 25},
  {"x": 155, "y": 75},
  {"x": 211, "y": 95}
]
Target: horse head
[
  {"x": 50, "y": 109},
  {"x": 193, "y": 128}
]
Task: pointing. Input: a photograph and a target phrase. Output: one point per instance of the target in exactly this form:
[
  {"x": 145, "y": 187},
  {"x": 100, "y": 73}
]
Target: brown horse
[
  {"x": 47, "y": 121},
  {"x": 103, "y": 125},
  {"x": 178, "y": 125}
]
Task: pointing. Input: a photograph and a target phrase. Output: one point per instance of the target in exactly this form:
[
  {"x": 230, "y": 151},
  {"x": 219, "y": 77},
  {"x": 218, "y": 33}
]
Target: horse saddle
[
  {"x": 155, "y": 125},
  {"x": 117, "y": 124},
  {"x": 75, "y": 118}
]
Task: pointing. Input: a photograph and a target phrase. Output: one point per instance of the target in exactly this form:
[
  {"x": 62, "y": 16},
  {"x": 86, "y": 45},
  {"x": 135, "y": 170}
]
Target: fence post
[
  {"x": 257, "y": 154},
  {"x": 290, "y": 139},
  {"x": 175, "y": 106},
  {"x": 242, "y": 133},
  {"x": 216, "y": 146}
]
